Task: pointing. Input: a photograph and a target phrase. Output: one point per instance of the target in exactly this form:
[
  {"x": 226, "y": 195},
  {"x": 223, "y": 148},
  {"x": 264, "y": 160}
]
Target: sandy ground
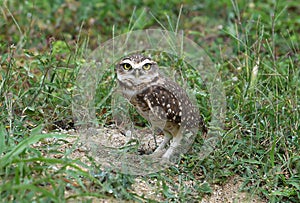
[{"x": 228, "y": 192}]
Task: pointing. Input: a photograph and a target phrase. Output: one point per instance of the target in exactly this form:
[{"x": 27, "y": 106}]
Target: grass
[{"x": 255, "y": 46}]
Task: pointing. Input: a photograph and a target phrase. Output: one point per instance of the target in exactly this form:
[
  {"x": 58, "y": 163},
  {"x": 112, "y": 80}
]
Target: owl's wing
[
  {"x": 162, "y": 102},
  {"x": 171, "y": 103}
]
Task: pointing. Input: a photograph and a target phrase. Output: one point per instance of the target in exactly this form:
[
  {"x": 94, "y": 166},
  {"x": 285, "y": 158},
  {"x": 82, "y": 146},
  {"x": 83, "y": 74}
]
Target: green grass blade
[
  {"x": 24, "y": 144},
  {"x": 2, "y": 138},
  {"x": 30, "y": 187}
]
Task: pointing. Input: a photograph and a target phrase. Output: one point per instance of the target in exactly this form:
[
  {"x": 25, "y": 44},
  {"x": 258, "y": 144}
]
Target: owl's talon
[
  {"x": 157, "y": 153},
  {"x": 165, "y": 161}
]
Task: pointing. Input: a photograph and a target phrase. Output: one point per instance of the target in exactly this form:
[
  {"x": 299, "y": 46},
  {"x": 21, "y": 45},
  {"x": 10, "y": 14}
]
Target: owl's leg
[
  {"x": 174, "y": 148},
  {"x": 166, "y": 140},
  {"x": 160, "y": 150}
]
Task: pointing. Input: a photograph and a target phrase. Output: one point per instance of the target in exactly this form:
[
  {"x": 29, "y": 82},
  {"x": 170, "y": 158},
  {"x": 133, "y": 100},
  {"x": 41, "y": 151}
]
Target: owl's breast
[{"x": 157, "y": 102}]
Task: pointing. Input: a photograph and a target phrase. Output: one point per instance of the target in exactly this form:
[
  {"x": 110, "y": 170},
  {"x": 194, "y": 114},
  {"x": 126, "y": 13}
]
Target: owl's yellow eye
[
  {"x": 147, "y": 66},
  {"x": 127, "y": 66}
]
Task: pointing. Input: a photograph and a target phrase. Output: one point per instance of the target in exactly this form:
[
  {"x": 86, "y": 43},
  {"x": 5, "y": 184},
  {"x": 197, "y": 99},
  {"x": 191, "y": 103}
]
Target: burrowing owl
[{"x": 162, "y": 102}]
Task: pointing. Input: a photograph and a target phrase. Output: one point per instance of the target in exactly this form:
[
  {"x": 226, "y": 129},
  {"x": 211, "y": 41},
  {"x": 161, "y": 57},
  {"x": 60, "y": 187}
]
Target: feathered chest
[{"x": 158, "y": 102}]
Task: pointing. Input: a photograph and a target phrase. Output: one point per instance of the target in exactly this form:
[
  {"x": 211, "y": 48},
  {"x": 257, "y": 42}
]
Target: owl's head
[{"x": 137, "y": 69}]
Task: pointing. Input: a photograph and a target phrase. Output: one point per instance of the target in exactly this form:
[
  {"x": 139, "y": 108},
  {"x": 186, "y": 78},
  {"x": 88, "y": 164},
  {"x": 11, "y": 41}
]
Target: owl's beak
[{"x": 137, "y": 73}]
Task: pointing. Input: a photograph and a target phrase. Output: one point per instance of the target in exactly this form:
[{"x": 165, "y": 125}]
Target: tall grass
[{"x": 256, "y": 48}]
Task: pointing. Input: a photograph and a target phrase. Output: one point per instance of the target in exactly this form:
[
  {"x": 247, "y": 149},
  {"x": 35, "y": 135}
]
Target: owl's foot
[
  {"x": 172, "y": 154},
  {"x": 155, "y": 156},
  {"x": 158, "y": 153},
  {"x": 165, "y": 161}
]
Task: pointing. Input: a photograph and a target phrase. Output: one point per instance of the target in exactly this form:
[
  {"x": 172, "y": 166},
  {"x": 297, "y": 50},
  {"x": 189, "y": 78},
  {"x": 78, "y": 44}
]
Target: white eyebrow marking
[
  {"x": 145, "y": 62},
  {"x": 127, "y": 61},
  {"x": 137, "y": 65}
]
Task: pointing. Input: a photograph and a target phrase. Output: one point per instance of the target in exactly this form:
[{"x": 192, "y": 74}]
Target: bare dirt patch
[
  {"x": 230, "y": 193},
  {"x": 149, "y": 188}
]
